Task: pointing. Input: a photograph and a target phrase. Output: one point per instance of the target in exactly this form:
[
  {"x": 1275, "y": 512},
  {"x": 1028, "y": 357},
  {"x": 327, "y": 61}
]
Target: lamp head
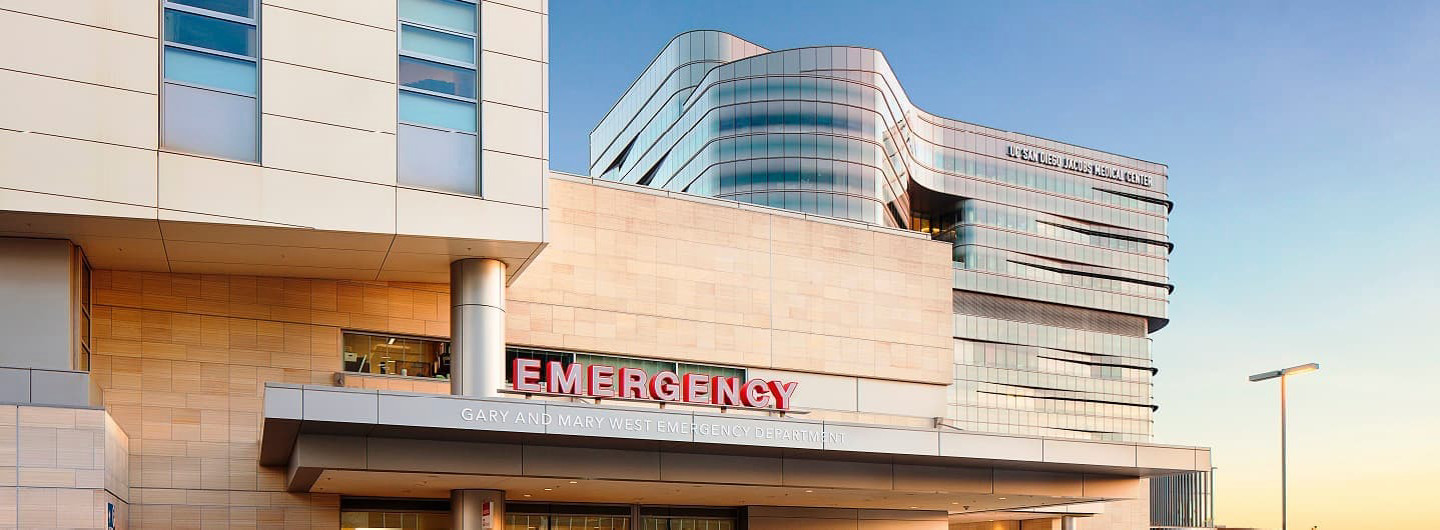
[{"x": 1293, "y": 370}]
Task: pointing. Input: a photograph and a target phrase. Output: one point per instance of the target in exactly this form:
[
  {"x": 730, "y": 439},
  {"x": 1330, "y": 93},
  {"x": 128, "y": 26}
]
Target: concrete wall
[{"x": 35, "y": 318}]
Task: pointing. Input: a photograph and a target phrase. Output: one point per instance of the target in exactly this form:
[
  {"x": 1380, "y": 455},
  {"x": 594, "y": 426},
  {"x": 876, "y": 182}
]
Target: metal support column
[
  {"x": 477, "y": 510},
  {"x": 477, "y": 327}
]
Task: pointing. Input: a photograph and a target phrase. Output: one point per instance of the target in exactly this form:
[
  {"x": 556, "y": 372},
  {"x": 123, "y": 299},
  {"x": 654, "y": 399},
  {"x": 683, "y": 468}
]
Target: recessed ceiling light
[
  {"x": 527, "y": 495},
  {"x": 574, "y": 482},
  {"x": 956, "y": 502},
  {"x": 809, "y": 491},
  {"x": 1002, "y": 498},
  {"x": 548, "y": 489},
  {"x": 913, "y": 507}
]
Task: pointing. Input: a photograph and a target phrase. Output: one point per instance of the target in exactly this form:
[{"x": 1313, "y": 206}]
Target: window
[
  {"x": 400, "y": 514},
  {"x": 368, "y": 353},
  {"x": 209, "y": 97},
  {"x": 437, "y": 104},
  {"x": 82, "y": 330}
]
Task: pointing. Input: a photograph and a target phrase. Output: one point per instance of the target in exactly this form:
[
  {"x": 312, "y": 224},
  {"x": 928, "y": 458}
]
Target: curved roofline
[
  {"x": 897, "y": 79},
  {"x": 652, "y": 63}
]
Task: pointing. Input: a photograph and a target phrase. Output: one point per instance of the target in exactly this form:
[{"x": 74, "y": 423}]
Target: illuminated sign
[
  {"x": 1077, "y": 165},
  {"x": 603, "y": 381}
]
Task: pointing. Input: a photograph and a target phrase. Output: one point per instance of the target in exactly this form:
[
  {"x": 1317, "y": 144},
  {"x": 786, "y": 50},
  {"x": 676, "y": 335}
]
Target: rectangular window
[
  {"x": 82, "y": 329},
  {"x": 438, "y": 101},
  {"x": 210, "y": 32},
  {"x": 210, "y": 68},
  {"x": 446, "y": 113},
  {"x": 239, "y": 8},
  {"x": 369, "y": 353},
  {"x": 422, "y": 42},
  {"x": 364, "y": 513},
  {"x": 458, "y": 15},
  {"x": 437, "y": 77}
]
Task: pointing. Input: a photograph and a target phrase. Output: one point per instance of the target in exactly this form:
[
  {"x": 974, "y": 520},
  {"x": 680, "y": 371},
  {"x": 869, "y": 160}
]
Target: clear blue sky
[{"x": 1304, "y": 157}]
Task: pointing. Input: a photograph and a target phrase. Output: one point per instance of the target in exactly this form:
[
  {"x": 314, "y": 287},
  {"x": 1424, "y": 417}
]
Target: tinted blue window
[
  {"x": 437, "y": 44},
  {"x": 239, "y": 8},
  {"x": 436, "y": 77},
  {"x": 188, "y": 66},
  {"x": 207, "y": 32},
  {"x": 448, "y": 14},
  {"x": 436, "y": 111}
]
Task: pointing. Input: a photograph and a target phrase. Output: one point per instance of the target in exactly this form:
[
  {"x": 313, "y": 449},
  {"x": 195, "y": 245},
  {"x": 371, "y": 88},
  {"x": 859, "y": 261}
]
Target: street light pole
[
  {"x": 1282, "y": 374},
  {"x": 1284, "y": 504}
]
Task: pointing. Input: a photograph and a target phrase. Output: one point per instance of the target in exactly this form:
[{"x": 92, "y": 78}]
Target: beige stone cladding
[
  {"x": 183, "y": 360},
  {"x": 61, "y": 468},
  {"x": 644, "y": 273}
]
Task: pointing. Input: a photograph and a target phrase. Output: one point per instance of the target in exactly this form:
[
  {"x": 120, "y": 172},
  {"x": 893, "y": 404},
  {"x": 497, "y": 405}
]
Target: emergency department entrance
[
  {"x": 361, "y": 513},
  {"x": 629, "y": 468}
]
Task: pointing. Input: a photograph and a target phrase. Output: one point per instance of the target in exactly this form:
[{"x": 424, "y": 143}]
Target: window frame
[
  {"x": 400, "y": 51},
  {"x": 254, "y": 23},
  {"x": 384, "y": 334}
]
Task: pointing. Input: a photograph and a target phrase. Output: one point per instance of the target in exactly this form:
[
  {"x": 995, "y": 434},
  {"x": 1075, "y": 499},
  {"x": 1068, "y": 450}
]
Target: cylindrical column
[
  {"x": 1068, "y": 523},
  {"x": 477, "y": 327},
  {"x": 477, "y": 510}
]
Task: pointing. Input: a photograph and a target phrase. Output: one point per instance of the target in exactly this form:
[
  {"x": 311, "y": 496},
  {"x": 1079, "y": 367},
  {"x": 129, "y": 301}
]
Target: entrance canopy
[{"x": 382, "y": 443}]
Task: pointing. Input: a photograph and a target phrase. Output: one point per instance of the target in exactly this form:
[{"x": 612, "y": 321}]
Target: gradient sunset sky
[{"x": 1303, "y": 141}]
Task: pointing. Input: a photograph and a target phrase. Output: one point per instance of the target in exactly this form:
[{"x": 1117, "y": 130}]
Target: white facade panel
[
  {"x": 141, "y": 17},
  {"x": 377, "y": 13},
  {"x": 331, "y": 150},
  {"x": 327, "y": 97},
  {"x": 512, "y": 31},
  {"x": 76, "y": 168},
  {"x": 512, "y": 81},
  {"x": 79, "y": 53},
  {"x": 328, "y": 44},
  {"x": 78, "y": 110},
  {"x": 246, "y": 191},
  {"x": 511, "y": 178},
  {"x": 513, "y": 130}
]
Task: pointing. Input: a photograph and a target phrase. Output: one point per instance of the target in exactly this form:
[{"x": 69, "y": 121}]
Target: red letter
[
  {"x": 782, "y": 393},
  {"x": 526, "y": 375},
  {"x": 755, "y": 394},
  {"x": 600, "y": 382},
  {"x": 665, "y": 386},
  {"x": 632, "y": 383},
  {"x": 725, "y": 390},
  {"x": 564, "y": 379},
  {"x": 697, "y": 388}
]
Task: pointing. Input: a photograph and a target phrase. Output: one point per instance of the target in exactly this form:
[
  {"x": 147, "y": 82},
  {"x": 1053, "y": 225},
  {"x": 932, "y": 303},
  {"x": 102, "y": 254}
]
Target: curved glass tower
[{"x": 1060, "y": 251}]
